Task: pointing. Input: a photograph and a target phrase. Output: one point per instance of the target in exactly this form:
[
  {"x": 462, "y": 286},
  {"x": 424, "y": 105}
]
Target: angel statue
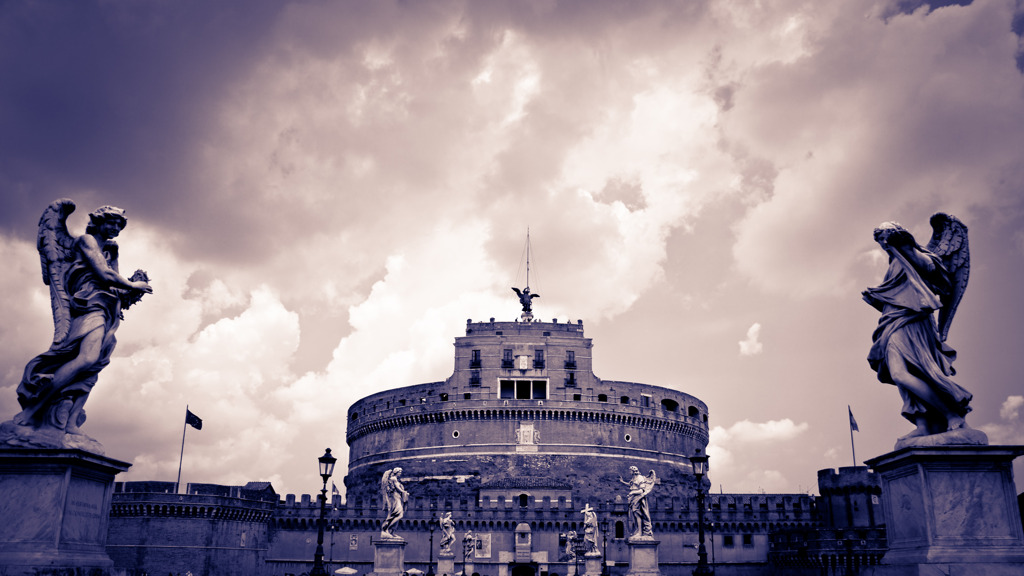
[
  {"x": 88, "y": 295},
  {"x": 394, "y": 497},
  {"x": 909, "y": 345},
  {"x": 589, "y": 528},
  {"x": 526, "y": 298},
  {"x": 639, "y": 512},
  {"x": 447, "y": 532}
]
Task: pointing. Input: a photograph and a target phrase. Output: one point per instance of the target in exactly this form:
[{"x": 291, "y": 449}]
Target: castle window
[
  {"x": 467, "y": 395},
  {"x": 540, "y": 390},
  {"x": 538, "y": 359},
  {"x": 748, "y": 539},
  {"x": 602, "y": 397},
  {"x": 506, "y": 360},
  {"x": 645, "y": 400},
  {"x": 727, "y": 540},
  {"x": 692, "y": 412},
  {"x": 624, "y": 400},
  {"x": 474, "y": 378},
  {"x": 523, "y": 500},
  {"x": 577, "y": 397},
  {"x": 570, "y": 360},
  {"x": 669, "y": 405},
  {"x": 620, "y": 529},
  {"x": 355, "y": 415},
  {"x": 570, "y": 381},
  {"x": 444, "y": 396},
  {"x": 507, "y": 389},
  {"x": 474, "y": 359}
]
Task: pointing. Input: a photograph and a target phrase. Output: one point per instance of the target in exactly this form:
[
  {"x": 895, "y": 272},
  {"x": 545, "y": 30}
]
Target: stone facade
[{"x": 523, "y": 402}]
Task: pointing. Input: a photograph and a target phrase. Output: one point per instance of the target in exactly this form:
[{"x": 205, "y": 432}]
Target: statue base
[
  {"x": 958, "y": 437},
  {"x": 593, "y": 563},
  {"x": 18, "y": 436},
  {"x": 55, "y": 508},
  {"x": 446, "y": 564},
  {"x": 643, "y": 556},
  {"x": 950, "y": 510},
  {"x": 388, "y": 557}
]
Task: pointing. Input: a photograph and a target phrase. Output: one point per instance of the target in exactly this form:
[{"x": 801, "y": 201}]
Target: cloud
[
  {"x": 752, "y": 346},
  {"x": 1011, "y": 407}
]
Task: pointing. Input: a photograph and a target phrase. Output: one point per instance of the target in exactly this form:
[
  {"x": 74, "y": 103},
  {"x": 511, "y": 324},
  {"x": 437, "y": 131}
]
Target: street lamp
[
  {"x": 432, "y": 524},
  {"x": 326, "y": 469},
  {"x": 579, "y": 548},
  {"x": 604, "y": 556},
  {"x": 700, "y": 468}
]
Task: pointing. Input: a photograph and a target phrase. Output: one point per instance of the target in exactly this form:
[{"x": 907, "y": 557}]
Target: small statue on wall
[
  {"x": 88, "y": 295},
  {"x": 447, "y": 532},
  {"x": 589, "y": 528},
  {"x": 917, "y": 299},
  {"x": 640, "y": 487},
  {"x": 394, "y": 497}
]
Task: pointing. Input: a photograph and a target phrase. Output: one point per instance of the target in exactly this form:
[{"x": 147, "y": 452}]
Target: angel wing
[
  {"x": 384, "y": 480},
  {"x": 652, "y": 479},
  {"x": 949, "y": 243},
  {"x": 56, "y": 252}
]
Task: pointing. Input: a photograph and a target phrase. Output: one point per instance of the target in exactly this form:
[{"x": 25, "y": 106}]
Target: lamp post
[
  {"x": 326, "y": 469},
  {"x": 579, "y": 548},
  {"x": 432, "y": 524},
  {"x": 700, "y": 468},
  {"x": 604, "y": 555}
]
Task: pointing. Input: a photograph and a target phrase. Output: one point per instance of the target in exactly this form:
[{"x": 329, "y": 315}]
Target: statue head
[
  {"x": 892, "y": 233},
  {"x": 396, "y": 472},
  {"x": 104, "y": 215},
  {"x": 634, "y": 470}
]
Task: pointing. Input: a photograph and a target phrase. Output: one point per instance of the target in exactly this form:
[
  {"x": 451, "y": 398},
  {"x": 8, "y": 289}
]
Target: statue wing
[
  {"x": 517, "y": 291},
  {"x": 56, "y": 251},
  {"x": 652, "y": 479},
  {"x": 949, "y": 243},
  {"x": 384, "y": 489}
]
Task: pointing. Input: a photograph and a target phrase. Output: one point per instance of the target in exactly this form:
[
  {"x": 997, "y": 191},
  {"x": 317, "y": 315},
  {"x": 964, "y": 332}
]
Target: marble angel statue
[
  {"x": 917, "y": 300},
  {"x": 88, "y": 295}
]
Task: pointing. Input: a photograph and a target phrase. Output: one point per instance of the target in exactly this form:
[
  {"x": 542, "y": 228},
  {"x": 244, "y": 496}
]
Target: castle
[{"x": 515, "y": 443}]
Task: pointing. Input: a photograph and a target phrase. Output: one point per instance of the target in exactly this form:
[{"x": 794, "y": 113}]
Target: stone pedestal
[
  {"x": 54, "y": 510},
  {"x": 643, "y": 557},
  {"x": 388, "y": 557},
  {"x": 446, "y": 564},
  {"x": 951, "y": 510},
  {"x": 593, "y": 563}
]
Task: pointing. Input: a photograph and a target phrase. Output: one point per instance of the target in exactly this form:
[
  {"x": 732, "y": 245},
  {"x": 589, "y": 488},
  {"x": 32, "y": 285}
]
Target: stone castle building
[{"x": 514, "y": 444}]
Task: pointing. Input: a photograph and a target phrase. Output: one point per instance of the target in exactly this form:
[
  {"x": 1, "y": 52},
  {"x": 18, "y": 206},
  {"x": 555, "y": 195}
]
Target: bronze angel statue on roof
[
  {"x": 88, "y": 295},
  {"x": 918, "y": 298}
]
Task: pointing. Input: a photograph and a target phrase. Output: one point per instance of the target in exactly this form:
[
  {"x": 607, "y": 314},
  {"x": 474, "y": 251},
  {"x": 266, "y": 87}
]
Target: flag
[
  {"x": 193, "y": 420},
  {"x": 334, "y": 489},
  {"x": 853, "y": 423}
]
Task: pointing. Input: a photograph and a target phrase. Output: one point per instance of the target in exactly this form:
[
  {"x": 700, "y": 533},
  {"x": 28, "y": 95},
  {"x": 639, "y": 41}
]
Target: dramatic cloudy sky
[{"x": 324, "y": 192}]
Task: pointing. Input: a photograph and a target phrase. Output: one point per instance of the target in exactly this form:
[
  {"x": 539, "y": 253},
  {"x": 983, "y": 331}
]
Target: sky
[{"x": 324, "y": 192}]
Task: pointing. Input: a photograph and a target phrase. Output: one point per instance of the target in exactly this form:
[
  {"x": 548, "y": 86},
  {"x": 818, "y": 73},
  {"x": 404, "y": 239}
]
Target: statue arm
[{"x": 93, "y": 254}]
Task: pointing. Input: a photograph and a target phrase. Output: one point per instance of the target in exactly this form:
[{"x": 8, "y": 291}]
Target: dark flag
[
  {"x": 334, "y": 489},
  {"x": 197, "y": 422},
  {"x": 853, "y": 423}
]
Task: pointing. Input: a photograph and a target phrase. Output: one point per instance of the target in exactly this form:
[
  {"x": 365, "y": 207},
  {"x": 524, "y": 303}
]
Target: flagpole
[
  {"x": 853, "y": 426},
  {"x": 182, "y": 455}
]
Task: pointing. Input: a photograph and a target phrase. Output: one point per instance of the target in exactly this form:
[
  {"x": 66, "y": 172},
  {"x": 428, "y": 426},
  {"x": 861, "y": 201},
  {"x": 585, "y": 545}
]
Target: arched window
[
  {"x": 692, "y": 412},
  {"x": 523, "y": 499}
]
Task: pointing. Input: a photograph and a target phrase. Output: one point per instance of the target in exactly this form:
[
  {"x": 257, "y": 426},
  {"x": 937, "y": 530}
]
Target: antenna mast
[{"x": 527, "y": 257}]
